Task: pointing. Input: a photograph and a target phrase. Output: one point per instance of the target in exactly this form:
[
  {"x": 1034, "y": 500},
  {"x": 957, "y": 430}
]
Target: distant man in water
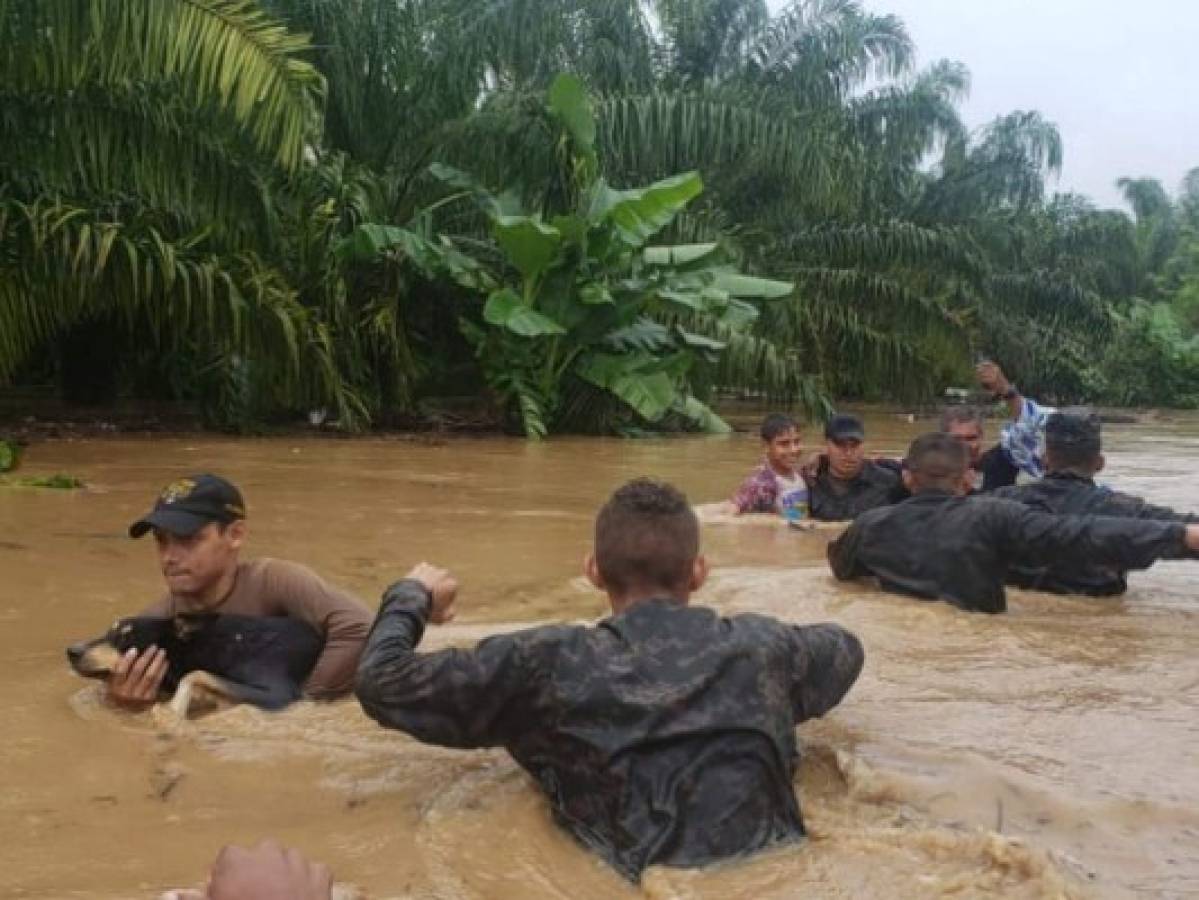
[
  {"x": 199, "y": 526},
  {"x": 1020, "y": 442},
  {"x": 988, "y": 470},
  {"x": 843, "y": 483},
  {"x": 1073, "y": 457},
  {"x": 943, "y": 545},
  {"x": 777, "y": 485},
  {"x": 663, "y": 735}
]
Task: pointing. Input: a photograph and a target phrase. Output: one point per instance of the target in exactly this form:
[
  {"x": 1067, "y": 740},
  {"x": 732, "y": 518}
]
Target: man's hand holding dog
[
  {"x": 137, "y": 678},
  {"x": 442, "y": 588}
]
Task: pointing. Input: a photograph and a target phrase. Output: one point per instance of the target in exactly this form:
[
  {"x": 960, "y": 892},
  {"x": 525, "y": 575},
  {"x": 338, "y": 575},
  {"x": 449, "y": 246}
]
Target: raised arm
[
  {"x": 456, "y": 698},
  {"x": 827, "y": 660},
  {"x": 1022, "y": 436}
]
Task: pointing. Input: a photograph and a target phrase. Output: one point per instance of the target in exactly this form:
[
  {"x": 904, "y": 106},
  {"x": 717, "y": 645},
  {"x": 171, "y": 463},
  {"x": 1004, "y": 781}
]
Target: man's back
[
  {"x": 663, "y": 735},
  {"x": 1069, "y": 494},
  {"x": 940, "y": 547}
]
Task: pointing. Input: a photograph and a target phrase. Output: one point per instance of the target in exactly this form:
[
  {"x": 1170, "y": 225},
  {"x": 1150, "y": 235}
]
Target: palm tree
[{"x": 141, "y": 150}]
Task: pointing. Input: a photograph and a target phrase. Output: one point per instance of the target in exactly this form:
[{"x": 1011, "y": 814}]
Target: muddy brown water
[{"x": 1051, "y": 752}]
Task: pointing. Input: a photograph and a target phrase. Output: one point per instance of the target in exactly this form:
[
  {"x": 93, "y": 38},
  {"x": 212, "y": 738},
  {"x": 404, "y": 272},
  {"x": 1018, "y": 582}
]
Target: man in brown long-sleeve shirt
[{"x": 199, "y": 525}]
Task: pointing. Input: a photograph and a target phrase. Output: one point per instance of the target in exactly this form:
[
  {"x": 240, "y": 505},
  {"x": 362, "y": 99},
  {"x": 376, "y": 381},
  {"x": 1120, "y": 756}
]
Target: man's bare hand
[
  {"x": 442, "y": 587},
  {"x": 268, "y": 872},
  {"x": 1192, "y": 538},
  {"x": 991, "y": 377},
  {"x": 137, "y": 678}
]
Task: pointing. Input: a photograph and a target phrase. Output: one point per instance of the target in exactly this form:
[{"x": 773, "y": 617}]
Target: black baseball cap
[
  {"x": 844, "y": 427},
  {"x": 188, "y": 504},
  {"x": 1076, "y": 427}
]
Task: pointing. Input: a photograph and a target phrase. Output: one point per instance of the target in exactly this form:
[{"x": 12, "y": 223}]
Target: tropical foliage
[
  {"x": 179, "y": 180},
  {"x": 580, "y": 304}
]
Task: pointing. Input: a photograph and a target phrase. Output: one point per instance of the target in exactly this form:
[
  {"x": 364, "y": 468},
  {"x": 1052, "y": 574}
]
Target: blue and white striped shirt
[{"x": 1023, "y": 439}]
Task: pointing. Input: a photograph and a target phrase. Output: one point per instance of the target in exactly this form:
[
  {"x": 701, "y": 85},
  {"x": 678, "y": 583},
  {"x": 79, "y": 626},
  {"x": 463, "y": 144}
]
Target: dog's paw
[{"x": 167, "y": 719}]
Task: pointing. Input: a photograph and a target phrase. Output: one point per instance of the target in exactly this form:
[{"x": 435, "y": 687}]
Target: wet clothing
[
  {"x": 766, "y": 491},
  {"x": 1023, "y": 438},
  {"x": 995, "y": 471},
  {"x": 275, "y": 587},
  {"x": 1065, "y": 493},
  {"x": 936, "y": 546},
  {"x": 833, "y": 500},
  {"x": 664, "y": 734}
]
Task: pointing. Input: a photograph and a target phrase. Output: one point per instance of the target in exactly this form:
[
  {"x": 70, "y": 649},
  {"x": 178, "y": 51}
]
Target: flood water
[{"x": 1050, "y": 752}]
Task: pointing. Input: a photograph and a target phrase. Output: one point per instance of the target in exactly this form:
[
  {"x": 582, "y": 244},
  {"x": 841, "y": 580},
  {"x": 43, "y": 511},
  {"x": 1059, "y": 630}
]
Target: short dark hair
[
  {"x": 937, "y": 460},
  {"x": 646, "y": 536},
  {"x": 775, "y": 424},
  {"x": 1073, "y": 439},
  {"x": 953, "y": 415}
]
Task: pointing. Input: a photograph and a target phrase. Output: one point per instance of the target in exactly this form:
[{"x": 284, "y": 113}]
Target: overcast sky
[{"x": 1120, "y": 79}]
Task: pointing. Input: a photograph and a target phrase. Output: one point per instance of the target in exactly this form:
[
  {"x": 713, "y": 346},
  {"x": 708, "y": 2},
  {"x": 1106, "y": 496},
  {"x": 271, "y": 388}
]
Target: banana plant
[{"x": 581, "y": 298}]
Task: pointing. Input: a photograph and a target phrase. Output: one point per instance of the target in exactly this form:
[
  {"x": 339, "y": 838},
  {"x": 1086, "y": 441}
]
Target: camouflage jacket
[
  {"x": 1068, "y": 494},
  {"x": 939, "y": 547},
  {"x": 665, "y": 734}
]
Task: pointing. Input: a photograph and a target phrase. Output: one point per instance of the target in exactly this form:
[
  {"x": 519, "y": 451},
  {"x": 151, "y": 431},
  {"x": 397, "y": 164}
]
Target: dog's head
[{"x": 97, "y": 658}]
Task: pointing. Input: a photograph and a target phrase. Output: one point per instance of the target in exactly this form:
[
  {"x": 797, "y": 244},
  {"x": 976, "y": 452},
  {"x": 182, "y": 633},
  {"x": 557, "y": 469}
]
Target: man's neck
[
  {"x": 215, "y": 594},
  {"x": 624, "y": 604},
  {"x": 845, "y": 477},
  {"x": 780, "y": 471},
  {"x": 1075, "y": 474}
]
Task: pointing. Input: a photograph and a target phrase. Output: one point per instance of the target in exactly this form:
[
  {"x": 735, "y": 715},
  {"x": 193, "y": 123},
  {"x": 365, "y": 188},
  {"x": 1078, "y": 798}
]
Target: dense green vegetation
[{"x": 260, "y": 207}]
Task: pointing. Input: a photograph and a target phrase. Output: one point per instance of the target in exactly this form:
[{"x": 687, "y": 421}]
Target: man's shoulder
[
  {"x": 882, "y": 513},
  {"x": 1017, "y": 492},
  {"x": 269, "y": 570},
  {"x": 882, "y": 471},
  {"x": 282, "y": 580}
]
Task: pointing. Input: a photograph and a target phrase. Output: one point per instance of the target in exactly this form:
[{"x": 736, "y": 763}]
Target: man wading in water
[
  {"x": 1073, "y": 457},
  {"x": 663, "y": 735},
  {"x": 942, "y": 545},
  {"x": 199, "y": 526}
]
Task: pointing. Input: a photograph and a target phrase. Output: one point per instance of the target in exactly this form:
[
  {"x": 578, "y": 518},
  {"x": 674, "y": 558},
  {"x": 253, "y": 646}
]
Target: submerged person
[
  {"x": 777, "y": 485},
  {"x": 944, "y": 545},
  {"x": 1073, "y": 456},
  {"x": 663, "y": 735},
  {"x": 844, "y": 483},
  {"x": 199, "y": 526}
]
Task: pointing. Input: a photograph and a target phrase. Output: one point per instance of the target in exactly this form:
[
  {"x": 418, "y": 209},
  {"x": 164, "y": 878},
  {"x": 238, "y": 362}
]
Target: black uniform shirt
[
  {"x": 940, "y": 547},
  {"x": 1065, "y": 493}
]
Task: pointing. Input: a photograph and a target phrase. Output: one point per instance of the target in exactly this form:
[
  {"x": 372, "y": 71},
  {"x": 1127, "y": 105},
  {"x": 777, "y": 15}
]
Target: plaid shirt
[
  {"x": 759, "y": 493},
  {"x": 1023, "y": 439}
]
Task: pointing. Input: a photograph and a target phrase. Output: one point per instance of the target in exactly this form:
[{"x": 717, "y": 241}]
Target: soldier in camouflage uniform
[{"x": 665, "y": 734}]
